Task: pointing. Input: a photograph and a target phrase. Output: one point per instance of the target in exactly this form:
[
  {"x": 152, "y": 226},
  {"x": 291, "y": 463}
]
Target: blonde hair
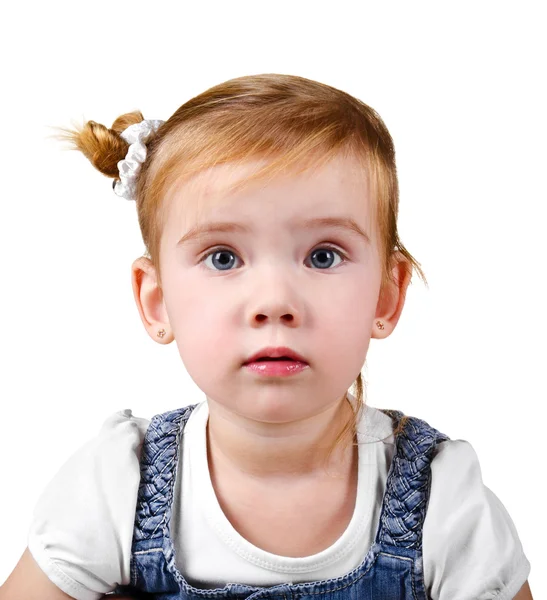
[{"x": 293, "y": 122}]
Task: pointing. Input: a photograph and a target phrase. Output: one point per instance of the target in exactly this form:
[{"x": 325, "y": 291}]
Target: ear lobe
[
  {"x": 392, "y": 297},
  {"x": 149, "y": 300}
]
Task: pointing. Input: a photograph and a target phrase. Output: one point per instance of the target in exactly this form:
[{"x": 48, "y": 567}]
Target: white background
[{"x": 461, "y": 88}]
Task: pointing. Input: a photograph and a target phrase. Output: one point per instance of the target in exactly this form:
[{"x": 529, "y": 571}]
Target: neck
[{"x": 265, "y": 450}]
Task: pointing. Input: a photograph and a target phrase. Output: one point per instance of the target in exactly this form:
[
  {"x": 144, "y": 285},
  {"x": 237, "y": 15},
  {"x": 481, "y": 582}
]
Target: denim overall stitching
[
  {"x": 176, "y": 424},
  {"x": 412, "y": 576},
  {"x": 159, "y": 456},
  {"x": 159, "y": 490},
  {"x": 170, "y": 484},
  {"x": 351, "y": 581},
  {"x": 296, "y": 592},
  {"x": 133, "y": 570}
]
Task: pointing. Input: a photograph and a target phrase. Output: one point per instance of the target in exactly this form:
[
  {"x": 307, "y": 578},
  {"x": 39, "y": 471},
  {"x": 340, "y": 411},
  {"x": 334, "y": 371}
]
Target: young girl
[{"x": 268, "y": 206}]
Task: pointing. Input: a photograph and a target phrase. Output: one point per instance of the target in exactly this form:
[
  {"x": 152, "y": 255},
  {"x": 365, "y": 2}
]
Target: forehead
[{"x": 340, "y": 184}]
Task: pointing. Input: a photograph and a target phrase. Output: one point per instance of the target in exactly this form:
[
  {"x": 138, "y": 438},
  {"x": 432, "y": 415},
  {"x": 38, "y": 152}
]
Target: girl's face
[{"x": 228, "y": 294}]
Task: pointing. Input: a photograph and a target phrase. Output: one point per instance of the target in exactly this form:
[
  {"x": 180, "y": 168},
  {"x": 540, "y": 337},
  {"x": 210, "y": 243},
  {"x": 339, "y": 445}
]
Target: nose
[
  {"x": 277, "y": 309},
  {"x": 274, "y": 300},
  {"x": 288, "y": 317}
]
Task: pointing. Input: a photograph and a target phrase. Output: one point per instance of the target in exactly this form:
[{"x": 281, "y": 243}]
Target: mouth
[
  {"x": 275, "y": 366},
  {"x": 270, "y": 359},
  {"x": 280, "y": 354}
]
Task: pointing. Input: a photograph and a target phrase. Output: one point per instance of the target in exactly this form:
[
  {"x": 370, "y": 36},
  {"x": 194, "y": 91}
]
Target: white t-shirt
[{"x": 82, "y": 527}]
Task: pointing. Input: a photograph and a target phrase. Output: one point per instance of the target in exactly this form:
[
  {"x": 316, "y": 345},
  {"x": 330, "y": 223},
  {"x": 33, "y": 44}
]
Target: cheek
[
  {"x": 351, "y": 302},
  {"x": 346, "y": 317},
  {"x": 200, "y": 326}
]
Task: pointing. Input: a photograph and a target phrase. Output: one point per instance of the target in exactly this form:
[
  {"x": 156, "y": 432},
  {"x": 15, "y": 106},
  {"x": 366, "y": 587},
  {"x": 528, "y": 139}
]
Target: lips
[{"x": 276, "y": 352}]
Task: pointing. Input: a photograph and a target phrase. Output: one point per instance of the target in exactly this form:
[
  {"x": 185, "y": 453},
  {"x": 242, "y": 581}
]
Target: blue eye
[{"x": 221, "y": 257}]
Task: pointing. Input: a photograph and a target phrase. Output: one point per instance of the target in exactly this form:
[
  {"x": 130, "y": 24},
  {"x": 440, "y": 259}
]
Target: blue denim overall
[{"x": 391, "y": 570}]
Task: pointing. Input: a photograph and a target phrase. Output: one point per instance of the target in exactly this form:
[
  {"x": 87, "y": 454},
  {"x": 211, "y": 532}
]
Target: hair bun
[{"x": 103, "y": 146}]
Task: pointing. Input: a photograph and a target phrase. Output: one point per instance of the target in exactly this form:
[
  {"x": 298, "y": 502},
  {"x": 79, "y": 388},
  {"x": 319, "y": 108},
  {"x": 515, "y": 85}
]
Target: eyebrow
[{"x": 347, "y": 224}]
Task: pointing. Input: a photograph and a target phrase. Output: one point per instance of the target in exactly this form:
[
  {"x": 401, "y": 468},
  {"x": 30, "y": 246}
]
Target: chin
[{"x": 277, "y": 408}]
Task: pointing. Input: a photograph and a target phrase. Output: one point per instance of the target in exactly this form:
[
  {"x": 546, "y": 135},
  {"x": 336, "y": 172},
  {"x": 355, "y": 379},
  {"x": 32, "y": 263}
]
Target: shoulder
[
  {"x": 374, "y": 425},
  {"x": 111, "y": 452},
  {"x": 123, "y": 428},
  {"x": 116, "y": 446},
  {"x": 381, "y": 424},
  {"x": 471, "y": 547},
  {"x": 82, "y": 524}
]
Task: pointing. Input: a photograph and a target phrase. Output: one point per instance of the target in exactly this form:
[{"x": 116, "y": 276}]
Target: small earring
[
  {"x": 379, "y": 324},
  {"x": 161, "y": 333}
]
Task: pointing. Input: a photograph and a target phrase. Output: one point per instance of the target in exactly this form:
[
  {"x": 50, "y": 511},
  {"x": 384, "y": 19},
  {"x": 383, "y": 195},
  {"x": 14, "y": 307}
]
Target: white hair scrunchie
[{"x": 136, "y": 136}]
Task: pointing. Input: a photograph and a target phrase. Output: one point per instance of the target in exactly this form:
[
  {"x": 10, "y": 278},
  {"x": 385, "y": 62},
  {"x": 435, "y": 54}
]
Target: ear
[
  {"x": 392, "y": 297},
  {"x": 149, "y": 299}
]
